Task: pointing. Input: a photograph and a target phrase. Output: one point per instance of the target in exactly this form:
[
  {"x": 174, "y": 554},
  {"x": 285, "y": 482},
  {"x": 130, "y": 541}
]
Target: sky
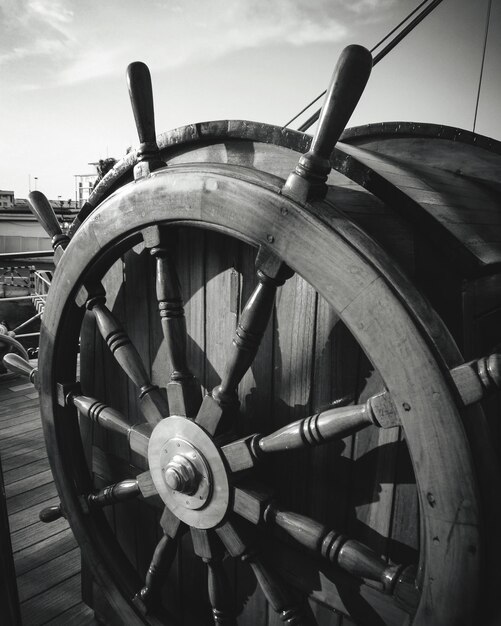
[{"x": 64, "y": 100}]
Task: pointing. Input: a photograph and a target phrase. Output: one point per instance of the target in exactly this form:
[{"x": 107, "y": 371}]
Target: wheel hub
[{"x": 189, "y": 472}]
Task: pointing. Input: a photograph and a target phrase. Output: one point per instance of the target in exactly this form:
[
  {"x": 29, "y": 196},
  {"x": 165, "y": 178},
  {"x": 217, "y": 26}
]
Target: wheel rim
[{"x": 347, "y": 279}]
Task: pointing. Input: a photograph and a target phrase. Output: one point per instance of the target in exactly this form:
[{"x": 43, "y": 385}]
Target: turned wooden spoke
[
  {"x": 207, "y": 546},
  {"x": 183, "y": 390},
  {"x": 253, "y": 321},
  {"x": 141, "y": 97},
  {"x": 220, "y": 593},
  {"x": 250, "y": 330},
  {"x": 153, "y": 404},
  {"x": 170, "y": 523},
  {"x": 138, "y": 435},
  {"x": 334, "y": 423},
  {"x": 279, "y": 595},
  {"x": 159, "y": 567},
  {"x": 127, "y": 489},
  {"x": 350, "y": 555},
  {"x": 43, "y": 211},
  {"x": 308, "y": 180},
  {"x": 122, "y": 491}
]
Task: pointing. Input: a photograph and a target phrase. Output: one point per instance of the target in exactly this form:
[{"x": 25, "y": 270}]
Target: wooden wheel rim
[{"x": 253, "y": 210}]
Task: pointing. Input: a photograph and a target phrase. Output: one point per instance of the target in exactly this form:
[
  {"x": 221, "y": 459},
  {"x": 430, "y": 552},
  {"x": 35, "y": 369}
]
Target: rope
[
  {"x": 398, "y": 26},
  {"x": 311, "y": 120},
  {"x": 489, "y": 5}
]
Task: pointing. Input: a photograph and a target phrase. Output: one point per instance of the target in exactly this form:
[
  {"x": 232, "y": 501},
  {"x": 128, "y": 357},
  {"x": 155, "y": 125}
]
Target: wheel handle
[
  {"x": 17, "y": 365},
  {"x": 141, "y": 97},
  {"x": 347, "y": 85}
]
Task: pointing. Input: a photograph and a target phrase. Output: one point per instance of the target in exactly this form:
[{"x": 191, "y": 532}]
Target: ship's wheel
[{"x": 217, "y": 476}]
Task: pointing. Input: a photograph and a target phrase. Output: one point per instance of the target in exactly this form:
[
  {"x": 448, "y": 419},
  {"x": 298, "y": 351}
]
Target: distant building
[
  {"x": 84, "y": 184},
  {"x": 6, "y": 199}
]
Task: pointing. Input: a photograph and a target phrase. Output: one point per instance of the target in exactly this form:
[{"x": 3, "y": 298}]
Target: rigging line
[
  {"x": 371, "y": 50},
  {"x": 398, "y": 25},
  {"x": 388, "y": 48},
  {"x": 489, "y": 5}
]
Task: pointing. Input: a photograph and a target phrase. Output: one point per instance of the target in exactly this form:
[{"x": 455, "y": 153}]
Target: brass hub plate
[{"x": 208, "y": 504}]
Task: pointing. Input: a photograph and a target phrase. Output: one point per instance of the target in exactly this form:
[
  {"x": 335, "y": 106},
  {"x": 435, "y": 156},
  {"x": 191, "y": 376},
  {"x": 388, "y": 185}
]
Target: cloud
[
  {"x": 60, "y": 42},
  {"x": 367, "y": 7},
  {"x": 33, "y": 29}
]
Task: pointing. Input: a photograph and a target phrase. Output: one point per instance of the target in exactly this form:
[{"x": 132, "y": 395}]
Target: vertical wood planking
[
  {"x": 294, "y": 340},
  {"x": 336, "y": 371},
  {"x": 190, "y": 263},
  {"x": 375, "y": 459},
  {"x": 221, "y": 306},
  {"x": 404, "y": 537}
]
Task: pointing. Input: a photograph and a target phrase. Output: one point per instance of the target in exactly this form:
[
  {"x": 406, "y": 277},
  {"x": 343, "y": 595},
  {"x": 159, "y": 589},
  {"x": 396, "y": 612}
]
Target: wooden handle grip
[
  {"x": 347, "y": 85},
  {"x": 17, "y": 365},
  {"x": 141, "y": 97},
  {"x": 308, "y": 180},
  {"x": 42, "y": 210},
  {"x": 119, "y": 492},
  {"x": 51, "y": 514}
]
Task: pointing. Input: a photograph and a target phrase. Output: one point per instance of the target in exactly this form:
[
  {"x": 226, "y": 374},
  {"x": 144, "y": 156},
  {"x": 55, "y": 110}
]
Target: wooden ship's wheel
[{"x": 320, "y": 428}]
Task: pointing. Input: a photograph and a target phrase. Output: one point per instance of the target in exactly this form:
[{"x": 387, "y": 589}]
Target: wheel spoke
[
  {"x": 161, "y": 562},
  {"x": 183, "y": 390},
  {"x": 333, "y": 423},
  {"x": 153, "y": 404},
  {"x": 279, "y": 595},
  {"x": 141, "y": 98},
  {"x": 122, "y": 491},
  {"x": 207, "y": 547},
  {"x": 138, "y": 435},
  {"x": 170, "y": 523},
  {"x": 348, "y": 554},
  {"x": 271, "y": 273}
]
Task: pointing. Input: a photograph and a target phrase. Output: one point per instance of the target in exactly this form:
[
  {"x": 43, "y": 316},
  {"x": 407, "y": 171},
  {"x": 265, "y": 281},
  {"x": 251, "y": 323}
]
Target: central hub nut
[
  {"x": 181, "y": 475},
  {"x": 189, "y": 472}
]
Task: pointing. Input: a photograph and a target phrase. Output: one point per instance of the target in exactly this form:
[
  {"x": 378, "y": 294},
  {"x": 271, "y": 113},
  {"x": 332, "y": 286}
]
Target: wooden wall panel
[{"x": 307, "y": 360}]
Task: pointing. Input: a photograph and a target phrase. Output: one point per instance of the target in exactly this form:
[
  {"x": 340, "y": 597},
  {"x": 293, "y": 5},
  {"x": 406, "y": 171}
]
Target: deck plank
[
  {"x": 46, "y": 556},
  {"x": 48, "y": 574},
  {"x": 32, "y": 556},
  {"x": 26, "y": 457},
  {"x": 79, "y": 615},
  {"x": 38, "y": 495},
  {"x": 27, "y": 517},
  {"x": 26, "y": 471},
  {"x": 40, "y": 609},
  {"x": 36, "y": 532}
]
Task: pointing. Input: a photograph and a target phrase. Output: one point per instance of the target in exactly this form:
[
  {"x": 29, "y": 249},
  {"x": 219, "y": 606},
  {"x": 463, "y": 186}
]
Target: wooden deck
[{"x": 46, "y": 556}]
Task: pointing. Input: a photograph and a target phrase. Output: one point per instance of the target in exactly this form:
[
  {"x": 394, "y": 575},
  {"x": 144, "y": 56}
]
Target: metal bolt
[{"x": 270, "y": 238}]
